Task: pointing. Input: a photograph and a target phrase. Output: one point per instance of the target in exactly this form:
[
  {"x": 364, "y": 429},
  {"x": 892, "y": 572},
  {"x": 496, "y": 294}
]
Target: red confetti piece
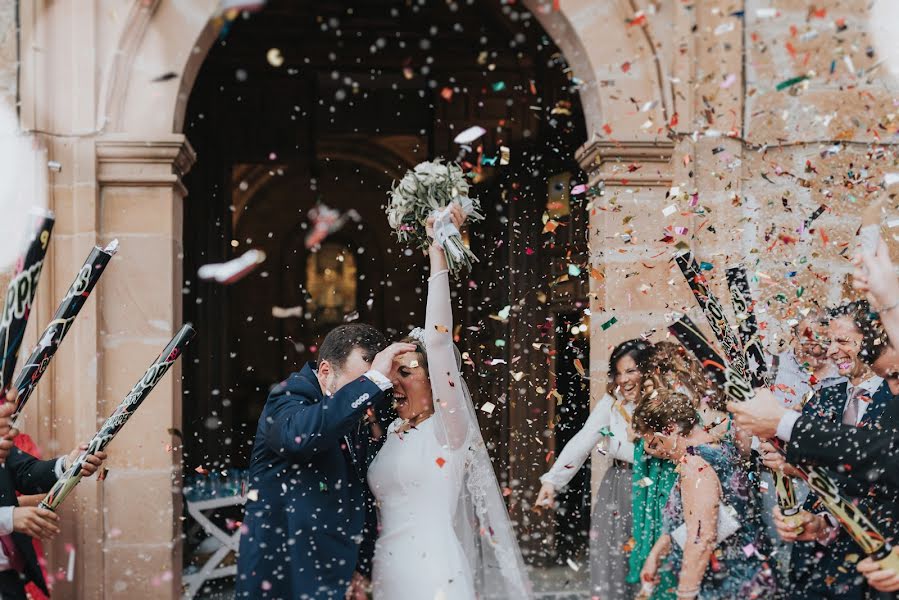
[{"x": 440, "y": 461}]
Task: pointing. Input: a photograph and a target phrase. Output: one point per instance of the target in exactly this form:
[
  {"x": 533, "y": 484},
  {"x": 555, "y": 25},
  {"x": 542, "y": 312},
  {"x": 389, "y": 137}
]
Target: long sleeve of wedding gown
[
  {"x": 446, "y": 381},
  {"x": 575, "y": 453}
]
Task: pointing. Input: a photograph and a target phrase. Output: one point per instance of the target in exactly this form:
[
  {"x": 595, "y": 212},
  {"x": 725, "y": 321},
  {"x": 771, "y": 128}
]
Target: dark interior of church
[{"x": 304, "y": 104}]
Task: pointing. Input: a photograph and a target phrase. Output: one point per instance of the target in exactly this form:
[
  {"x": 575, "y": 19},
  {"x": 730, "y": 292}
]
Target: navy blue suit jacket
[
  {"x": 827, "y": 570},
  {"x": 312, "y": 510}
]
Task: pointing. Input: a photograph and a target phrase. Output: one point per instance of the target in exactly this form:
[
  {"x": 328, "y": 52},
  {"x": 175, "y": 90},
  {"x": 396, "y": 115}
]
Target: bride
[{"x": 444, "y": 530}]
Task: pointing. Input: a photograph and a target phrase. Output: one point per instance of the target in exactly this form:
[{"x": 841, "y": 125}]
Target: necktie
[
  {"x": 16, "y": 561},
  {"x": 850, "y": 414}
]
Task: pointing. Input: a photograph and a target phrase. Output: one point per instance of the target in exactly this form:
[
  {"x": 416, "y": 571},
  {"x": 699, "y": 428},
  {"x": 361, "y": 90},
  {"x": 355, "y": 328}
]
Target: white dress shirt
[
  {"x": 867, "y": 388},
  {"x": 609, "y": 419},
  {"x": 379, "y": 379}
]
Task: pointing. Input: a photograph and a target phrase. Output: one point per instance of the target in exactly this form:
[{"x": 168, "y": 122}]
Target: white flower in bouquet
[{"x": 427, "y": 190}]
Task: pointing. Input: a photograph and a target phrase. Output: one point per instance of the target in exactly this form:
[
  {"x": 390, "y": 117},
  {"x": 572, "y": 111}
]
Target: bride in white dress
[{"x": 444, "y": 530}]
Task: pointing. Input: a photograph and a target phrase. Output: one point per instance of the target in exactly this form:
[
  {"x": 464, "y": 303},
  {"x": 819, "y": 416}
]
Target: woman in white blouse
[{"x": 609, "y": 428}]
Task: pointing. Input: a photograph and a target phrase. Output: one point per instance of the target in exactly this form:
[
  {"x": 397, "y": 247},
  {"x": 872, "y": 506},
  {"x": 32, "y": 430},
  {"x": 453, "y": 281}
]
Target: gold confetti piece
[
  {"x": 274, "y": 57},
  {"x": 579, "y": 367},
  {"x": 517, "y": 375},
  {"x": 441, "y": 329},
  {"x": 413, "y": 364}
]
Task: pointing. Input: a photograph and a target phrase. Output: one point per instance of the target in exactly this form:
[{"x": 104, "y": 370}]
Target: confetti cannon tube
[
  {"x": 741, "y": 298},
  {"x": 120, "y": 416},
  {"x": 20, "y": 296},
  {"x": 738, "y": 389},
  {"x": 36, "y": 365},
  {"x": 712, "y": 310},
  {"x": 714, "y": 314}
]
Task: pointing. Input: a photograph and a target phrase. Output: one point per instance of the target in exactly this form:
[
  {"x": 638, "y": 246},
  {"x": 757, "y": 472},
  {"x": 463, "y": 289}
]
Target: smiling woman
[{"x": 608, "y": 428}]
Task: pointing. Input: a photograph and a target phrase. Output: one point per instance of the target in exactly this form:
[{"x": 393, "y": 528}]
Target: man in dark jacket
[
  {"x": 308, "y": 509},
  {"x": 862, "y": 459},
  {"x": 18, "y": 524}
]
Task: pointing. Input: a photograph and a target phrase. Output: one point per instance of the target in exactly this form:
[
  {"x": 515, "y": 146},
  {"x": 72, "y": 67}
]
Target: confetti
[
  {"x": 274, "y": 58},
  {"x": 285, "y": 313},
  {"x": 470, "y": 135},
  {"x": 790, "y": 82},
  {"x": 440, "y": 461},
  {"x": 609, "y": 323},
  {"x": 233, "y": 270},
  {"x": 488, "y": 407}
]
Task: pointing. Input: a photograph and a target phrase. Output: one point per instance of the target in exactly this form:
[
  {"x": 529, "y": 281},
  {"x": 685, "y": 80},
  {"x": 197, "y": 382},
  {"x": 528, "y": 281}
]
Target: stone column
[
  {"x": 141, "y": 194},
  {"x": 630, "y": 277}
]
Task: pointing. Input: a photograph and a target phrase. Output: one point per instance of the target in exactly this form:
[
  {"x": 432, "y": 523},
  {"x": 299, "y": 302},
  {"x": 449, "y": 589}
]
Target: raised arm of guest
[{"x": 875, "y": 275}]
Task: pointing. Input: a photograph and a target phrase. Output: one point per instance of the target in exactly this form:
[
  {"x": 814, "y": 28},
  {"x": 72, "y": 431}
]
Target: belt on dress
[{"x": 621, "y": 464}]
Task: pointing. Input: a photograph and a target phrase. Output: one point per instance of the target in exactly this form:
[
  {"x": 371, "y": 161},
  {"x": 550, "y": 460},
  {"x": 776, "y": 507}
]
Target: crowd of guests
[{"x": 687, "y": 508}]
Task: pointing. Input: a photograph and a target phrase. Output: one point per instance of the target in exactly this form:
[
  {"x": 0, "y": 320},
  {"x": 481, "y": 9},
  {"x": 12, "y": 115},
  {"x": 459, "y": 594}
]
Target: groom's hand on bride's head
[{"x": 384, "y": 360}]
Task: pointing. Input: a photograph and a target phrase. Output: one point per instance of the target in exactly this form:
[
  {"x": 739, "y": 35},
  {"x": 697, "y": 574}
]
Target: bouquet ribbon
[{"x": 444, "y": 229}]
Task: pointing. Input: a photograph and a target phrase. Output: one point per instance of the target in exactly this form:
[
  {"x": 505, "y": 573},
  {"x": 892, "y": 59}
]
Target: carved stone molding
[
  {"x": 627, "y": 163},
  {"x": 125, "y": 160},
  {"x": 136, "y": 24}
]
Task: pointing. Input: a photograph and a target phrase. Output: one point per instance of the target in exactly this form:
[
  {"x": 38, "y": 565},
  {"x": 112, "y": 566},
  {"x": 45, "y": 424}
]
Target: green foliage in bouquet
[{"x": 424, "y": 191}]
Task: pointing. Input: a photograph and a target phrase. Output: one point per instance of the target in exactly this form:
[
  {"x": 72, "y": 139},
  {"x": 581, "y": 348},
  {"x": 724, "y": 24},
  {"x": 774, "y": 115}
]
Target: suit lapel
[
  {"x": 829, "y": 403},
  {"x": 879, "y": 403}
]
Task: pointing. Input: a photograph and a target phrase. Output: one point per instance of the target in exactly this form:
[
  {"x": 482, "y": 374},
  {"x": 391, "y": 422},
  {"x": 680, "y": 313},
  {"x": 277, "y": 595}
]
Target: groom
[{"x": 308, "y": 510}]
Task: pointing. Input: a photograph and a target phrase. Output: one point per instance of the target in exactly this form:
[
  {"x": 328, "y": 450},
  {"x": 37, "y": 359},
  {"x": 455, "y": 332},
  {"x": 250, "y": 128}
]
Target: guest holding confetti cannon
[
  {"x": 18, "y": 524},
  {"x": 608, "y": 425},
  {"x": 868, "y": 456}
]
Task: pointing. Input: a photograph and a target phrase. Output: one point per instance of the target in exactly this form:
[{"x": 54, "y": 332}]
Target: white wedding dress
[
  {"x": 417, "y": 554},
  {"x": 444, "y": 533}
]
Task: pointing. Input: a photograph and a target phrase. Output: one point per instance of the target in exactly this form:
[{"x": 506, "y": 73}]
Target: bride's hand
[
  {"x": 456, "y": 216},
  {"x": 547, "y": 496}
]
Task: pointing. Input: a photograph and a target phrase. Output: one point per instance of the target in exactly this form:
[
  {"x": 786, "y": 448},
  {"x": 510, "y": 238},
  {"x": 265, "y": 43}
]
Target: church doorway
[{"x": 306, "y": 107}]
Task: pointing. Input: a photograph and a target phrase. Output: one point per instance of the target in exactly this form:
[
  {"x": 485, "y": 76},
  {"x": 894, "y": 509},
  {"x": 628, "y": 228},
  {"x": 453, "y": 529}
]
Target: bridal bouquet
[{"x": 428, "y": 190}]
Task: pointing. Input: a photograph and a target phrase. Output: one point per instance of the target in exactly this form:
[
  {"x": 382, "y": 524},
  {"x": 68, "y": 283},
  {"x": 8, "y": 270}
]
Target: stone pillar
[
  {"x": 630, "y": 276},
  {"x": 141, "y": 198}
]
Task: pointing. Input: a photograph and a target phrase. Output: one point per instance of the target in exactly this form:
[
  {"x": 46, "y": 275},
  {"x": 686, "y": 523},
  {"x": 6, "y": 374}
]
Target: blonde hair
[
  {"x": 665, "y": 411},
  {"x": 671, "y": 366}
]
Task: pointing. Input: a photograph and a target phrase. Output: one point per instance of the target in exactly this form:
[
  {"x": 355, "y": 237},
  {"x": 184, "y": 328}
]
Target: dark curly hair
[
  {"x": 637, "y": 349},
  {"x": 866, "y": 322}
]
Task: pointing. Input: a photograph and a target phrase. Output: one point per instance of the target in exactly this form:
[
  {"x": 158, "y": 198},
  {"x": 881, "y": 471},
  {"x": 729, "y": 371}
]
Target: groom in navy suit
[{"x": 308, "y": 527}]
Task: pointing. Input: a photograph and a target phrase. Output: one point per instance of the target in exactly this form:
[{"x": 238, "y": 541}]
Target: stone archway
[{"x": 123, "y": 154}]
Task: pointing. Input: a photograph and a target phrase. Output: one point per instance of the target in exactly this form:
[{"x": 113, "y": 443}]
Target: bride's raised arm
[{"x": 446, "y": 381}]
